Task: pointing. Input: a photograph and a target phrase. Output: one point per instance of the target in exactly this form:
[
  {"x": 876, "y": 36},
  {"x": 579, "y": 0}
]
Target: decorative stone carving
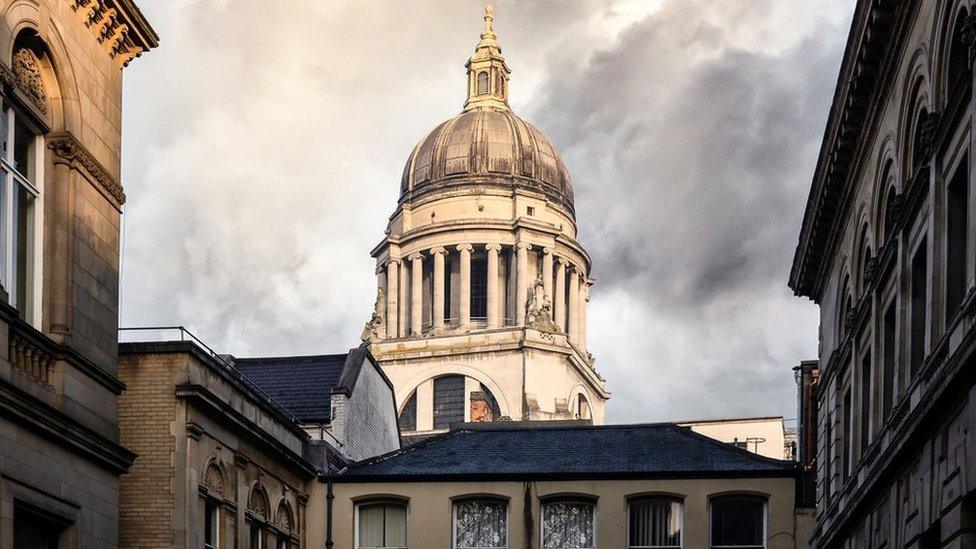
[
  {"x": 213, "y": 479},
  {"x": 538, "y": 311},
  {"x": 376, "y": 327},
  {"x": 109, "y": 28},
  {"x": 27, "y": 74},
  {"x": 257, "y": 503},
  {"x": 870, "y": 266},
  {"x": 283, "y": 518},
  {"x": 69, "y": 150}
]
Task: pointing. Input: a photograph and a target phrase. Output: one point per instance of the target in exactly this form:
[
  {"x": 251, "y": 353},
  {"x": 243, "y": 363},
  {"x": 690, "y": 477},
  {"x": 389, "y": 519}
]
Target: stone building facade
[
  {"x": 888, "y": 251},
  {"x": 61, "y": 64},
  {"x": 482, "y": 285},
  {"x": 228, "y": 448}
]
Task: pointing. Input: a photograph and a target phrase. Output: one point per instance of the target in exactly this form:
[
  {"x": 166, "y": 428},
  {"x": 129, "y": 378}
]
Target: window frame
[
  {"x": 671, "y": 498},
  {"x": 579, "y": 499},
  {"x": 211, "y": 512},
  {"x": 381, "y": 501},
  {"x": 13, "y": 180},
  {"x": 486, "y": 497},
  {"x": 763, "y": 498}
]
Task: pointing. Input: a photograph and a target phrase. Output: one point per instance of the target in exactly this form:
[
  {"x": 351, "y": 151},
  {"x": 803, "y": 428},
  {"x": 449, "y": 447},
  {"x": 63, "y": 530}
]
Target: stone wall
[{"x": 365, "y": 421}]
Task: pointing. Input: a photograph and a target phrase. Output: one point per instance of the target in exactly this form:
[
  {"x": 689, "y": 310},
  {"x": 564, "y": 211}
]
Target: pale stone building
[
  {"x": 766, "y": 436},
  {"x": 888, "y": 251},
  {"x": 482, "y": 284},
  {"x": 61, "y": 64}
]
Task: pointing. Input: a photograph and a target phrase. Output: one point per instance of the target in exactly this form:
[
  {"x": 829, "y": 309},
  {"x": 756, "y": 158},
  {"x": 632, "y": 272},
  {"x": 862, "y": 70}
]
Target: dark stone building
[{"x": 888, "y": 251}]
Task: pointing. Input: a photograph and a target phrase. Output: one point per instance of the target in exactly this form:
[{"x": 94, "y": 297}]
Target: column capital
[
  {"x": 493, "y": 248},
  {"x": 523, "y": 246},
  {"x": 415, "y": 256},
  {"x": 465, "y": 247},
  {"x": 394, "y": 261},
  {"x": 547, "y": 250},
  {"x": 438, "y": 250}
]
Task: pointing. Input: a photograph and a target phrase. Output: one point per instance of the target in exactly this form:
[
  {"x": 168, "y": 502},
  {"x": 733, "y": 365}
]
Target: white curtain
[
  {"x": 655, "y": 523},
  {"x": 382, "y": 525},
  {"x": 480, "y": 524},
  {"x": 567, "y": 525}
]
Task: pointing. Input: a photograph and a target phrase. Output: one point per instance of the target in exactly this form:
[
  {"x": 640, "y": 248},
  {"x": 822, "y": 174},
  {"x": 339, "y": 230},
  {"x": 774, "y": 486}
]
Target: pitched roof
[
  {"x": 301, "y": 384},
  {"x": 522, "y": 451}
]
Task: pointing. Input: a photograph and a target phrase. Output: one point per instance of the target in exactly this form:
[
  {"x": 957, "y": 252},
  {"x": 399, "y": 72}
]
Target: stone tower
[{"x": 482, "y": 286}]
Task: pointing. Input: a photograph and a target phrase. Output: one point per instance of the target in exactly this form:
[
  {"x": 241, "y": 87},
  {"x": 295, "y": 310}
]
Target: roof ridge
[
  {"x": 403, "y": 450},
  {"x": 291, "y": 357}
]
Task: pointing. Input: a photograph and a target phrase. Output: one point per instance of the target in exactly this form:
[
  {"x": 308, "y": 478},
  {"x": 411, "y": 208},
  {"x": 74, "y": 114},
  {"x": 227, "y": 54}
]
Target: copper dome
[{"x": 483, "y": 147}]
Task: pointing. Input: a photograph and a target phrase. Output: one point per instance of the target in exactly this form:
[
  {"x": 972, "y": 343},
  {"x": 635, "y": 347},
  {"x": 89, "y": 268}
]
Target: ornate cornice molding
[
  {"x": 118, "y": 25},
  {"x": 70, "y": 151}
]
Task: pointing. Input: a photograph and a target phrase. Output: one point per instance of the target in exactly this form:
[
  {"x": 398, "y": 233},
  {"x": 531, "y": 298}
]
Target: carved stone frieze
[
  {"x": 68, "y": 149},
  {"x": 27, "y": 76},
  {"x": 108, "y": 26}
]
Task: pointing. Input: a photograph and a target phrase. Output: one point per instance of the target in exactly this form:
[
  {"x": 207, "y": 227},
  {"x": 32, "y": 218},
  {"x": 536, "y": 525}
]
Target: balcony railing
[{"x": 29, "y": 356}]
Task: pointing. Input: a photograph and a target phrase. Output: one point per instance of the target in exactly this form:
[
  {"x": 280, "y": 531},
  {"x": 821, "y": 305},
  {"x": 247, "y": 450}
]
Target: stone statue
[
  {"x": 376, "y": 327},
  {"x": 538, "y": 310}
]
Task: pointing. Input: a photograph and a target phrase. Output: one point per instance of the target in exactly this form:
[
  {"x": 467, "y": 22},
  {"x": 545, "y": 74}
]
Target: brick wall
[{"x": 147, "y": 410}]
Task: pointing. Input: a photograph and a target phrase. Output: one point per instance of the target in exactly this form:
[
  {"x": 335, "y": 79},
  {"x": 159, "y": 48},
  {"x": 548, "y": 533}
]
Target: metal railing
[{"x": 180, "y": 333}]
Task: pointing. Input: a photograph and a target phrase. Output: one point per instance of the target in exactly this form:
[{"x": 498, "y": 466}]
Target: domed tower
[{"x": 482, "y": 285}]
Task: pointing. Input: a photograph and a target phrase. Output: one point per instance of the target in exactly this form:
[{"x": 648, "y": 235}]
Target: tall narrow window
[
  {"x": 448, "y": 401},
  {"x": 848, "y": 434},
  {"x": 919, "y": 152},
  {"x": 889, "y": 342},
  {"x": 654, "y": 522},
  {"x": 482, "y": 83},
  {"x": 919, "y": 307},
  {"x": 957, "y": 202},
  {"x": 958, "y": 53},
  {"x": 738, "y": 521},
  {"x": 257, "y": 537},
  {"x": 16, "y": 208},
  {"x": 479, "y": 288},
  {"x": 381, "y": 526},
  {"x": 567, "y": 525},
  {"x": 480, "y": 524},
  {"x": 866, "y": 381},
  {"x": 34, "y": 531},
  {"x": 211, "y": 526}
]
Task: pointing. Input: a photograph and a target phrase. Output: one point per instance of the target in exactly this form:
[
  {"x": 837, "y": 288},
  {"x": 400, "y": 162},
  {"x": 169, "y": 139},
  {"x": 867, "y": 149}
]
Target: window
[
  {"x": 848, "y": 434},
  {"x": 582, "y": 407},
  {"x": 448, "y": 401},
  {"x": 17, "y": 197},
  {"x": 889, "y": 343},
  {"x": 480, "y": 524},
  {"x": 211, "y": 526},
  {"x": 35, "y": 531},
  {"x": 479, "y": 287},
  {"x": 282, "y": 542},
  {"x": 865, "y": 401},
  {"x": 958, "y": 53},
  {"x": 567, "y": 524},
  {"x": 381, "y": 525},
  {"x": 738, "y": 521},
  {"x": 482, "y": 83},
  {"x": 919, "y": 307},
  {"x": 408, "y": 416},
  {"x": 257, "y": 538},
  {"x": 530, "y": 210},
  {"x": 957, "y": 197},
  {"x": 844, "y": 311},
  {"x": 654, "y": 522}
]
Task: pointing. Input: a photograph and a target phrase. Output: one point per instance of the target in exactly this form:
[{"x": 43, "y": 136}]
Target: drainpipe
[{"x": 329, "y": 496}]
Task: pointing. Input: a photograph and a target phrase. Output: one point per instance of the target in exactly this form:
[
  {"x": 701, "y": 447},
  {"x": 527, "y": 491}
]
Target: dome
[{"x": 487, "y": 146}]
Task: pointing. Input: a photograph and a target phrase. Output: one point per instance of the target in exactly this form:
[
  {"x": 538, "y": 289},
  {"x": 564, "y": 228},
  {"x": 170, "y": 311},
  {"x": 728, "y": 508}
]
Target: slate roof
[
  {"x": 301, "y": 384},
  {"x": 525, "y": 451}
]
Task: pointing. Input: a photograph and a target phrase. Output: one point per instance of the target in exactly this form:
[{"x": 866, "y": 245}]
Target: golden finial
[{"x": 489, "y": 18}]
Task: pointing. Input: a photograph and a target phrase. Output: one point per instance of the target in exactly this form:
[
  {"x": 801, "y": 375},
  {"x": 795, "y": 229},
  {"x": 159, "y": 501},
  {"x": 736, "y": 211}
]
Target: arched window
[
  {"x": 381, "y": 525},
  {"x": 958, "y": 65},
  {"x": 455, "y": 398},
  {"x": 844, "y": 310},
  {"x": 654, "y": 522},
  {"x": 867, "y": 261},
  {"x": 738, "y": 521},
  {"x": 890, "y": 214},
  {"x": 920, "y": 148},
  {"x": 568, "y": 523},
  {"x": 284, "y": 522},
  {"x": 408, "y": 415},
  {"x": 257, "y": 516},
  {"x": 448, "y": 401},
  {"x": 482, "y": 83},
  {"x": 480, "y": 523},
  {"x": 582, "y": 407}
]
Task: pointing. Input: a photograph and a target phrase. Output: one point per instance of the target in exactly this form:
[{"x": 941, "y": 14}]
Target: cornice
[
  {"x": 118, "y": 26},
  {"x": 69, "y": 151}
]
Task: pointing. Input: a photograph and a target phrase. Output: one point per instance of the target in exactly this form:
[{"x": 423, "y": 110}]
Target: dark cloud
[{"x": 263, "y": 158}]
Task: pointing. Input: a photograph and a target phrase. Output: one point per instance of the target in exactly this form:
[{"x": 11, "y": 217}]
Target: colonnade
[{"x": 403, "y": 283}]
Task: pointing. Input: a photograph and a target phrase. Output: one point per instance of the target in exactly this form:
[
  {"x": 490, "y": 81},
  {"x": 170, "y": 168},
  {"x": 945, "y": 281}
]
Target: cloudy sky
[{"x": 264, "y": 147}]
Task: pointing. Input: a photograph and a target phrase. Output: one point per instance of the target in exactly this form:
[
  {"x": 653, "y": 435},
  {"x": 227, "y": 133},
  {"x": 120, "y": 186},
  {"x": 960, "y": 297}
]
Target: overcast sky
[{"x": 264, "y": 143}]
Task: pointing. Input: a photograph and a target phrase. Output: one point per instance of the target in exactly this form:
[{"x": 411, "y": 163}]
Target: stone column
[
  {"x": 492, "y": 291},
  {"x": 559, "y": 302},
  {"x": 547, "y": 272},
  {"x": 521, "y": 280},
  {"x": 438, "y": 254},
  {"x": 404, "y": 321},
  {"x": 381, "y": 289},
  {"x": 464, "y": 292},
  {"x": 416, "y": 293},
  {"x": 574, "y": 299},
  {"x": 583, "y": 305},
  {"x": 392, "y": 297}
]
